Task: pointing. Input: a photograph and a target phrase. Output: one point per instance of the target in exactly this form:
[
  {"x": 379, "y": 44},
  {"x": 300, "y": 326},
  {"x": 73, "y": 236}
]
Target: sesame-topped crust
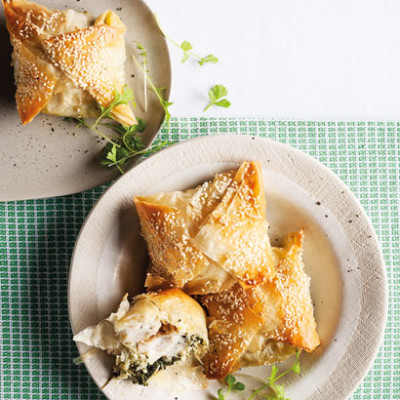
[
  {"x": 87, "y": 60},
  {"x": 235, "y": 233},
  {"x": 263, "y": 324},
  {"x": 264, "y": 313},
  {"x": 292, "y": 285},
  {"x": 205, "y": 239},
  {"x": 84, "y": 56},
  {"x": 287, "y": 309},
  {"x": 30, "y": 21},
  {"x": 235, "y": 316},
  {"x": 173, "y": 256},
  {"x": 35, "y": 82},
  {"x": 168, "y": 222}
]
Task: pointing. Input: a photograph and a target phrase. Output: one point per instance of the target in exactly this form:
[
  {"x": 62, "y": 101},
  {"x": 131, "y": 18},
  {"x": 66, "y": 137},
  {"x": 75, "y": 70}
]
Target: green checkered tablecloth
[{"x": 37, "y": 238}]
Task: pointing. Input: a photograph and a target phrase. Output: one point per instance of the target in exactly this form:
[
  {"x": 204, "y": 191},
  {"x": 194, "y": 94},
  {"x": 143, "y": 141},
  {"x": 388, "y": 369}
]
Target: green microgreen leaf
[
  {"x": 208, "y": 59},
  {"x": 223, "y": 103},
  {"x": 239, "y": 386},
  {"x": 230, "y": 380},
  {"x": 269, "y": 390},
  {"x": 280, "y": 390},
  {"x": 122, "y": 146},
  {"x": 112, "y": 154},
  {"x": 219, "y": 91},
  {"x": 186, "y": 46},
  {"x": 215, "y": 95},
  {"x": 232, "y": 385},
  {"x": 119, "y": 98}
]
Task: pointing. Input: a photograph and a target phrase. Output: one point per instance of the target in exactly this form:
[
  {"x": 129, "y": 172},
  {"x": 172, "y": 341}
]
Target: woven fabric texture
[{"x": 37, "y": 239}]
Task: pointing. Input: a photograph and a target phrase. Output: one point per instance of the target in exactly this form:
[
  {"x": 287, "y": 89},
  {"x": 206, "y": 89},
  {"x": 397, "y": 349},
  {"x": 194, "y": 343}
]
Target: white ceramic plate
[
  {"x": 50, "y": 157},
  {"x": 342, "y": 256}
]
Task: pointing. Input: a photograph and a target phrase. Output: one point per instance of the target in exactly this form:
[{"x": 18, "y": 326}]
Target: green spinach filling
[
  {"x": 141, "y": 375},
  {"x": 129, "y": 365}
]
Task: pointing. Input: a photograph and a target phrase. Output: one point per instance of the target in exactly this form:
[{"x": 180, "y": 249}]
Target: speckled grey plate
[
  {"x": 50, "y": 157},
  {"x": 341, "y": 254}
]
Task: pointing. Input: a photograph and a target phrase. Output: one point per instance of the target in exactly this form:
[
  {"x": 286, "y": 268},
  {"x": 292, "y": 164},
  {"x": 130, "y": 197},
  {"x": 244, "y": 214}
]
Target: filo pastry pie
[
  {"x": 66, "y": 63},
  {"x": 264, "y": 324},
  {"x": 203, "y": 240},
  {"x": 155, "y": 331}
]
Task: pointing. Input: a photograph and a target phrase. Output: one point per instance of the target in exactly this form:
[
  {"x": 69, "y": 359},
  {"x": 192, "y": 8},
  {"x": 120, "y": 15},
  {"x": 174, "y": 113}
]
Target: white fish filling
[
  {"x": 142, "y": 348},
  {"x": 166, "y": 346}
]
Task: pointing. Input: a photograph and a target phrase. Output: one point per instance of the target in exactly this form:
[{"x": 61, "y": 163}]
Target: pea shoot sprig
[
  {"x": 232, "y": 386},
  {"x": 187, "y": 48},
  {"x": 124, "y": 143},
  {"x": 269, "y": 390},
  {"x": 217, "y": 96},
  {"x": 125, "y": 97},
  {"x": 159, "y": 92}
]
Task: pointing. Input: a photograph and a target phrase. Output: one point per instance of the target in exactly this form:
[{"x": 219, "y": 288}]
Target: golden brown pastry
[
  {"x": 287, "y": 297},
  {"x": 205, "y": 239},
  {"x": 263, "y": 324},
  {"x": 65, "y": 62},
  {"x": 235, "y": 233},
  {"x": 235, "y": 316}
]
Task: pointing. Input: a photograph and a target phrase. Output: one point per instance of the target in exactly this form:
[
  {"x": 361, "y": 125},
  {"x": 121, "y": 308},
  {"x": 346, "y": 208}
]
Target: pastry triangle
[
  {"x": 264, "y": 324},
  {"x": 287, "y": 298},
  {"x": 235, "y": 316},
  {"x": 235, "y": 233},
  {"x": 168, "y": 222},
  {"x": 35, "y": 82},
  {"x": 186, "y": 233}
]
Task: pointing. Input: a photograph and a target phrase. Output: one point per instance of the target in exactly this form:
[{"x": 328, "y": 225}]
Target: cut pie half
[{"x": 154, "y": 332}]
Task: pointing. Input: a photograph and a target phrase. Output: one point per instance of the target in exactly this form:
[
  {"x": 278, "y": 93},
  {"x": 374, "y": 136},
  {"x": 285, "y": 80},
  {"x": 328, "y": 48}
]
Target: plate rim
[{"x": 379, "y": 318}]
